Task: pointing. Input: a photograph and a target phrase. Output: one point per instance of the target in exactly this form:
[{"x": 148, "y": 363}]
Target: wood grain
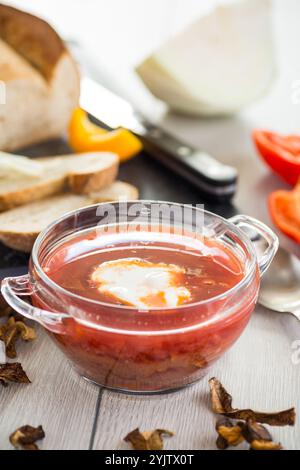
[
  {"x": 258, "y": 371},
  {"x": 58, "y": 399}
]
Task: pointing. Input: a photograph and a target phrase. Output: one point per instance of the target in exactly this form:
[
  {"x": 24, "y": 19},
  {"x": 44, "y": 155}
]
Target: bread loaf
[{"x": 40, "y": 78}]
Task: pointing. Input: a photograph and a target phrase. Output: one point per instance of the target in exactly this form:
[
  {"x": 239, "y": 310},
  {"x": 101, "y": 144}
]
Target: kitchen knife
[
  {"x": 216, "y": 180},
  {"x": 207, "y": 174}
]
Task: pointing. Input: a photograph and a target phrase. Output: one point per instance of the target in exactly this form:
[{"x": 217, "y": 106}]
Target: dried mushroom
[
  {"x": 222, "y": 404},
  {"x": 12, "y": 373},
  {"x": 229, "y": 434},
  {"x": 12, "y": 331},
  {"x": 258, "y": 437},
  {"x": 150, "y": 440},
  {"x": 25, "y": 437}
]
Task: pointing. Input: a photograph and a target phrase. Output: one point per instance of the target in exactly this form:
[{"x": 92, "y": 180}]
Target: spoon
[{"x": 280, "y": 285}]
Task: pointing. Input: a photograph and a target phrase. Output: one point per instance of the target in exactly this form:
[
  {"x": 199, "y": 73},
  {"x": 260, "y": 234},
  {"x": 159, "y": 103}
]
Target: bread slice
[
  {"x": 81, "y": 173},
  {"x": 20, "y": 227},
  {"x": 118, "y": 191},
  {"x": 41, "y": 80}
]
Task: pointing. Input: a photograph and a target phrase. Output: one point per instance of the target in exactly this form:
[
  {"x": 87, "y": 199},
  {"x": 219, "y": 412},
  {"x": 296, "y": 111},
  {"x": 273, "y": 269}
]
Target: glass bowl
[{"x": 144, "y": 350}]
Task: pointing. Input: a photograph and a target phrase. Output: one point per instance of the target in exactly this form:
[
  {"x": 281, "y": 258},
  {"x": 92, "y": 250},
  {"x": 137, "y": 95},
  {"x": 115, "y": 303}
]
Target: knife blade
[{"x": 213, "y": 178}]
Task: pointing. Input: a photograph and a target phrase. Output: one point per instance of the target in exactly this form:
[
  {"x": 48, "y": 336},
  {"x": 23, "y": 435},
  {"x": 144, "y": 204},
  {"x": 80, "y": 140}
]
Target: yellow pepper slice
[{"x": 85, "y": 136}]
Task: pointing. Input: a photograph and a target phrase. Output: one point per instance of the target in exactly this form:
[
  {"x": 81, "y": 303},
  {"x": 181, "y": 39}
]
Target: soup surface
[{"x": 143, "y": 269}]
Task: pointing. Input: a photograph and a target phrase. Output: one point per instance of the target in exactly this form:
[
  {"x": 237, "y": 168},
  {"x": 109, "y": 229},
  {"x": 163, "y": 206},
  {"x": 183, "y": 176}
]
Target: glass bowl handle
[
  {"x": 14, "y": 288},
  {"x": 271, "y": 240}
]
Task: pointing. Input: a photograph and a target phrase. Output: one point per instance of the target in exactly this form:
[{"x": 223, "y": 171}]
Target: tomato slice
[
  {"x": 285, "y": 211},
  {"x": 290, "y": 143},
  {"x": 281, "y": 153}
]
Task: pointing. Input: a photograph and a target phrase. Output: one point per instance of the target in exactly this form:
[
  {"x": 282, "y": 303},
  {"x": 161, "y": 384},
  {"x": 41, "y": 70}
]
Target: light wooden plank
[
  {"x": 58, "y": 399},
  {"x": 258, "y": 371}
]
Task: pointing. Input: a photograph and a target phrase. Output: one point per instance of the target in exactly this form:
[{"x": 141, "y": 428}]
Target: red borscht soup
[{"x": 148, "y": 305}]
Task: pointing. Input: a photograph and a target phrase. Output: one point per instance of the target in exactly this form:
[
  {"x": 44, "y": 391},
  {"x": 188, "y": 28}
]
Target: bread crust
[
  {"x": 42, "y": 81},
  {"x": 34, "y": 193},
  {"x": 33, "y": 38},
  {"x": 19, "y": 241},
  {"x": 87, "y": 183}
]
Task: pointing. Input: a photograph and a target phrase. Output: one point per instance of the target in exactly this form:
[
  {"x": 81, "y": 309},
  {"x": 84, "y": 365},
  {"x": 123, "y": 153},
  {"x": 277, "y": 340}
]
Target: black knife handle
[{"x": 213, "y": 178}]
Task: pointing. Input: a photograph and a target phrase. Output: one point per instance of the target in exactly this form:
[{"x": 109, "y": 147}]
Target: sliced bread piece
[
  {"x": 82, "y": 173},
  {"x": 99, "y": 171},
  {"x": 118, "y": 191},
  {"x": 20, "y": 227}
]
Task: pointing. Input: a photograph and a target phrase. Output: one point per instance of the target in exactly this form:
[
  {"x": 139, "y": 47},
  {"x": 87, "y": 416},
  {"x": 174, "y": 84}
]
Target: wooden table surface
[{"x": 258, "y": 370}]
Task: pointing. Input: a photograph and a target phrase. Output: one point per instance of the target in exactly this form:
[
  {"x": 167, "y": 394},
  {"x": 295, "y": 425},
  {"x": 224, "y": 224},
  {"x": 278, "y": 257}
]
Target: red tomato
[
  {"x": 281, "y": 153},
  {"x": 285, "y": 212}
]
